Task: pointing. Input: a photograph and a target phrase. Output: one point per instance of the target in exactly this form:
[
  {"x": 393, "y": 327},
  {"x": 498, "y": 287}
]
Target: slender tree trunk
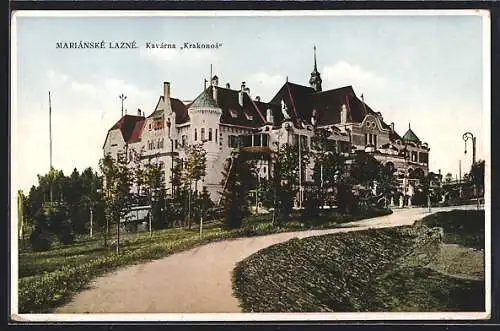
[{"x": 118, "y": 235}]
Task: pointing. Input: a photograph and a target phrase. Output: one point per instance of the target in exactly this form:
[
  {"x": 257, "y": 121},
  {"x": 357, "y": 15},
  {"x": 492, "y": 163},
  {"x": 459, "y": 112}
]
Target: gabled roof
[
  {"x": 180, "y": 110},
  {"x": 301, "y": 101},
  {"x": 178, "y": 107},
  {"x": 127, "y": 125},
  {"x": 411, "y": 136},
  {"x": 250, "y": 114},
  {"x": 137, "y": 131}
]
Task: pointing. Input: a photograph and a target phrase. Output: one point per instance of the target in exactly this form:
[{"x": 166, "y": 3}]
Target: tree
[
  {"x": 477, "y": 174},
  {"x": 286, "y": 179},
  {"x": 365, "y": 169},
  {"x": 154, "y": 186},
  {"x": 194, "y": 170},
  {"x": 239, "y": 177},
  {"x": 117, "y": 196}
]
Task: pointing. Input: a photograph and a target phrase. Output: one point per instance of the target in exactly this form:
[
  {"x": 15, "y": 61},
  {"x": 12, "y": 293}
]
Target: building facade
[{"x": 224, "y": 119}]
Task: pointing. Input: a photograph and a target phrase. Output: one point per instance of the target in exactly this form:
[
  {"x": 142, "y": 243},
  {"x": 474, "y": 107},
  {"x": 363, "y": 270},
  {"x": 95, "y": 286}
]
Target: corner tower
[{"x": 315, "y": 80}]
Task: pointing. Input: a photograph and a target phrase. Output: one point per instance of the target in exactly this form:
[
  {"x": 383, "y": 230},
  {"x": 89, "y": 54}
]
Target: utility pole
[{"x": 122, "y": 98}]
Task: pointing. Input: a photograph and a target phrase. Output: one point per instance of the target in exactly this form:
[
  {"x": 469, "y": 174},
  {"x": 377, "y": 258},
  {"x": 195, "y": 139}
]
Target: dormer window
[
  {"x": 248, "y": 116},
  {"x": 233, "y": 113}
]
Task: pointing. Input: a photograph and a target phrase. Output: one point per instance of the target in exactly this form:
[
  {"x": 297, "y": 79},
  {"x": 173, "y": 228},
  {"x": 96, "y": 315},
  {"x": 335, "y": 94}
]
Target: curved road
[{"x": 199, "y": 280}]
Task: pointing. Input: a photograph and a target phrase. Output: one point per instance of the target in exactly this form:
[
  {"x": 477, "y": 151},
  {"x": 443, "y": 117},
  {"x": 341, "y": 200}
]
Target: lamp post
[
  {"x": 171, "y": 156},
  {"x": 203, "y": 141},
  {"x": 466, "y": 136}
]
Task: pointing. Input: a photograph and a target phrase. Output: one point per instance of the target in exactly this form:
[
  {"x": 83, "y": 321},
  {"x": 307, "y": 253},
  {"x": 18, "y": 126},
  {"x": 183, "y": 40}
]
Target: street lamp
[{"x": 466, "y": 136}]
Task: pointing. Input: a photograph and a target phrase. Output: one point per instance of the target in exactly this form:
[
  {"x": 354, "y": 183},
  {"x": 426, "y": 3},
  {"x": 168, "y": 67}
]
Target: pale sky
[{"x": 426, "y": 70}]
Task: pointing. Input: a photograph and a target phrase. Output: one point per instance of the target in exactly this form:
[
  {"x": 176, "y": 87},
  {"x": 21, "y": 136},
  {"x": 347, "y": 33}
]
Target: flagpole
[{"x": 50, "y": 130}]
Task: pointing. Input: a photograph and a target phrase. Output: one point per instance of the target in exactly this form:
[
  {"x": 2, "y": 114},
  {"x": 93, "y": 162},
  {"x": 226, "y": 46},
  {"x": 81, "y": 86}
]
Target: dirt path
[{"x": 199, "y": 280}]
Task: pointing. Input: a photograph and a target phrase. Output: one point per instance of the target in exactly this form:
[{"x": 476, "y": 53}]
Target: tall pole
[
  {"x": 50, "y": 130},
  {"x": 122, "y": 98},
  {"x": 300, "y": 173},
  {"x": 459, "y": 171},
  {"x": 466, "y": 136},
  {"x": 91, "y": 221}
]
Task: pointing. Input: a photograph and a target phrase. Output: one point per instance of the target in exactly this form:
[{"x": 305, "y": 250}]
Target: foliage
[
  {"x": 477, "y": 173},
  {"x": 41, "y": 239},
  {"x": 464, "y": 227},
  {"x": 365, "y": 168},
  {"x": 117, "y": 194},
  {"x": 239, "y": 178}
]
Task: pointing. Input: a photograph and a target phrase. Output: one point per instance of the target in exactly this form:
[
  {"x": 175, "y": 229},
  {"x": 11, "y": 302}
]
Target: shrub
[
  {"x": 40, "y": 240},
  {"x": 66, "y": 235}
]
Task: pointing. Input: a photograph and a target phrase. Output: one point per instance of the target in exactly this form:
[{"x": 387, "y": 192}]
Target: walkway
[{"x": 199, "y": 280}]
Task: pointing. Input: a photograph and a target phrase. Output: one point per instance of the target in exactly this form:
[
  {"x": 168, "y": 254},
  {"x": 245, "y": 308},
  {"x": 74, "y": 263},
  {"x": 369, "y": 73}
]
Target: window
[
  {"x": 216, "y": 135},
  {"x": 257, "y": 140},
  {"x": 423, "y": 157},
  {"x": 202, "y": 134},
  {"x": 366, "y": 139},
  {"x": 210, "y": 134},
  {"x": 375, "y": 140},
  {"x": 233, "y": 113},
  {"x": 162, "y": 165},
  {"x": 303, "y": 142},
  {"x": 183, "y": 140},
  {"x": 176, "y": 144},
  {"x": 195, "y": 134},
  {"x": 265, "y": 140}
]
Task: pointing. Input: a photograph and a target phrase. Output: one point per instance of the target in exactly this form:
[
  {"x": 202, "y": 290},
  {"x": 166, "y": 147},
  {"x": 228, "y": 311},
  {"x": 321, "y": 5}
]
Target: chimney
[
  {"x": 138, "y": 112},
  {"x": 240, "y": 94},
  {"x": 257, "y": 98},
  {"x": 215, "y": 81},
  {"x": 392, "y": 126},
  {"x": 269, "y": 116},
  {"x": 166, "y": 90},
  {"x": 214, "y": 92},
  {"x": 228, "y": 86},
  {"x": 343, "y": 114}
]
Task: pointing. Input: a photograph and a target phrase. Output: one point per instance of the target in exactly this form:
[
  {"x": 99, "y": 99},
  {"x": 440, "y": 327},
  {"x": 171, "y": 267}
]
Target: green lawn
[{"x": 49, "y": 279}]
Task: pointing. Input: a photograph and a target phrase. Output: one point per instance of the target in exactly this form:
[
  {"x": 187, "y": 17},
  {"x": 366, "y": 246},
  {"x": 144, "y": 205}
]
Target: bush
[
  {"x": 66, "y": 235},
  {"x": 40, "y": 240}
]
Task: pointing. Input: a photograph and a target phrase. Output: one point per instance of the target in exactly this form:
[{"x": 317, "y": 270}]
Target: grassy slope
[{"x": 357, "y": 272}]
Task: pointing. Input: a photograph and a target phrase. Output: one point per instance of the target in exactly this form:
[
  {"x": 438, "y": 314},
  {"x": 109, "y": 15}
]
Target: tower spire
[
  {"x": 315, "y": 66},
  {"x": 315, "y": 80}
]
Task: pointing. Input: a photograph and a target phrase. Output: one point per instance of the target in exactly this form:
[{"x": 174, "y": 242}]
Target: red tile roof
[
  {"x": 127, "y": 125},
  {"x": 136, "y": 133}
]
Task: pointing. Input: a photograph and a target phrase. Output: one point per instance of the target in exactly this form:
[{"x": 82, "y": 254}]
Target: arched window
[
  {"x": 202, "y": 134},
  {"x": 216, "y": 135},
  {"x": 210, "y": 134},
  {"x": 195, "y": 134}
]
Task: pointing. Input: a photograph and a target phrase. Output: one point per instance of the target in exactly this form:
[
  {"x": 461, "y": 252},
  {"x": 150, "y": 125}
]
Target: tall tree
[
  {"x": 239, "y": 177},
  {"x": 117, "y": 196},
  {"x": 194, "y": 170}
]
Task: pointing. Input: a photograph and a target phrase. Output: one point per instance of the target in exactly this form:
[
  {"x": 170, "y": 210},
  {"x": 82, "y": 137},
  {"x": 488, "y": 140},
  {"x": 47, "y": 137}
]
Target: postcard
[{"x": 250, "y": 165}]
